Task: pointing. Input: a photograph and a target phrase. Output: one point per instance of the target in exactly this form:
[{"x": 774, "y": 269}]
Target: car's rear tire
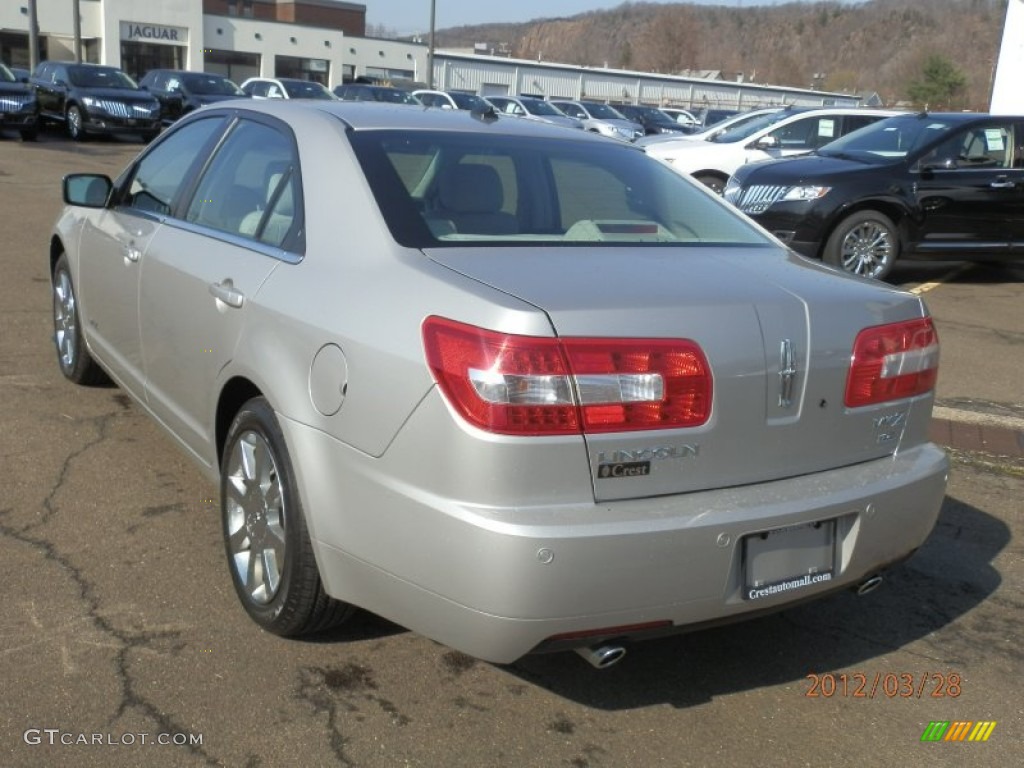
[
  {"x": 73, "y": 357},
  {"x": 265, "y": 536},
  {"x": 865, "y": 243},
  {"x": 75, "y": 122},
  {"x": 713, "y": 182}
]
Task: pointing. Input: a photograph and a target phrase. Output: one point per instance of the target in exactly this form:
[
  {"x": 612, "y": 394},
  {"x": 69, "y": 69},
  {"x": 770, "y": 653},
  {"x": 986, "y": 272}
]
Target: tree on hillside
[
  {"x": 941, "y": 81},
  {"x": 669, "y": 42}
]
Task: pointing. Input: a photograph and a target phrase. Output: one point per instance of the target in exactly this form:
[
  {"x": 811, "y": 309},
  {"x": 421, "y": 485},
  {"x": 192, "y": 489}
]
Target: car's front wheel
[
  {"x": 75, "y": 123},
  {"x": 268, "y": 547},
  {"x": 75, "y": 361},
  {"x": 865, "y": 243},
  {"x": 715, "y": 183}
]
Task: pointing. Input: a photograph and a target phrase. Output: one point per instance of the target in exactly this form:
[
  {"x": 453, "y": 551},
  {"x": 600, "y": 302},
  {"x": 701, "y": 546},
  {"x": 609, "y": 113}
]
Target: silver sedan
[{"x": 517, "y": 388}]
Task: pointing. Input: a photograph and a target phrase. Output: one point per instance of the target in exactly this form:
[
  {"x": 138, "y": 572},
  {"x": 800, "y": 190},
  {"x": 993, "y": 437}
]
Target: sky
[{"x": 413, "y": 16}]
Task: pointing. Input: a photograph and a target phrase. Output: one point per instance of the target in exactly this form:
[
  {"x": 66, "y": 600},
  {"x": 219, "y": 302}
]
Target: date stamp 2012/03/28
[{"x": 889, "y": 685}]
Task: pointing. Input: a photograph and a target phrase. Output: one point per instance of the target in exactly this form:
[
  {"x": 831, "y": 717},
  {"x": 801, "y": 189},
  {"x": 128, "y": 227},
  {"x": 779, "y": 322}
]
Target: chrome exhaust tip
[
  {"x": 602, "y": 656},
  {"x": 868, "y": 585}
]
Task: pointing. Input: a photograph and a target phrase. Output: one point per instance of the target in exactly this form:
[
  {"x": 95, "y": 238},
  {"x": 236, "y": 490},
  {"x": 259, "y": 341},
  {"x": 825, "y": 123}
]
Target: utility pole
[
  {"x": 33, "y": 36},
  {"x": 430, "y": 47},
  {"x": 77, "y": 11}
]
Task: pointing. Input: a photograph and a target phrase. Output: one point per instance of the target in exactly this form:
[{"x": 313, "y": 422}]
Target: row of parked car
[
  {"x": 93, "y": 99},
  {"x": 858, "y": 203}
]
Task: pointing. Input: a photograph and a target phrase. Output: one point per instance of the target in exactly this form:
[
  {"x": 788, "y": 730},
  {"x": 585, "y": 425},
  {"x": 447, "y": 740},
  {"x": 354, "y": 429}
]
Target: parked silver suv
[{"x": 601, "y": 118}]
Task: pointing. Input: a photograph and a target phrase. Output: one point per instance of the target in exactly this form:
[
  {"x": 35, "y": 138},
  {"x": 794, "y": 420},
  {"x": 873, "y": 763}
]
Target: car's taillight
[
  {"x": 891, "y": 362},
  {"x": 526, "y": 385}
]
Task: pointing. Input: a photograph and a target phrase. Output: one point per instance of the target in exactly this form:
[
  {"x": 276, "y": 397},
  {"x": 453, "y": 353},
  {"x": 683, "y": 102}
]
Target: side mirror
[
  {"x": 89, "y": 190},
  {"x": 767, "y": 142},
  {"x": 940, "y": 164}
]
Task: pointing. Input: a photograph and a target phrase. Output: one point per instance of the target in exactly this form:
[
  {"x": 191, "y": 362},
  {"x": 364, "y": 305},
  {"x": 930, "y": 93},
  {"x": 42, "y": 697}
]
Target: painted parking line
[{"x": 931, "y": 286}]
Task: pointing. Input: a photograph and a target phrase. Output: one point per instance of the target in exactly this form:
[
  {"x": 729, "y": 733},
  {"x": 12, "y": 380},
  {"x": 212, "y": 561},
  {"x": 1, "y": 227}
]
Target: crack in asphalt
[
  {"x": 335, "y": 692},
  {"x": 125, "y": 642}
]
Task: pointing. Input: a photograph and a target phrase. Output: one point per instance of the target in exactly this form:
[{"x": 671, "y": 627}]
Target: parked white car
[
  {"x": 285, "y": 88},
  {"x": 450, "y": 99},
  {"x": 780, "y": 133},
  {"x": 683, "y": 117}
]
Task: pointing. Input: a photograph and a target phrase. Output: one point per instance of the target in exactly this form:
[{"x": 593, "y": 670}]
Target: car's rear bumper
[{"x": 501, "y": 581}]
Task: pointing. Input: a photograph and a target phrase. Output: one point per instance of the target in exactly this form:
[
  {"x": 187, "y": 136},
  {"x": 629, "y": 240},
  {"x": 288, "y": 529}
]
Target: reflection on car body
[{"x": 515, "y": 387}]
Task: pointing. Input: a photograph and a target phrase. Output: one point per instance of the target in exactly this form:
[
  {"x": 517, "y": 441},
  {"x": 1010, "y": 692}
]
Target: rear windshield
[{"x": 453, "y": 189}]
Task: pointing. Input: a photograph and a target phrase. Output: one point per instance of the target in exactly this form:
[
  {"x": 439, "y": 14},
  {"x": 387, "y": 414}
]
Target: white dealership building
[
  {"x": 324, "y": 40},
  {"x": 320, "y": 40}
]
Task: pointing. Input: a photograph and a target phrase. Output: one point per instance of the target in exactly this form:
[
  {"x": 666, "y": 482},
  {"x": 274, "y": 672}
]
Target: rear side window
[{"x": 249, "y": 188}]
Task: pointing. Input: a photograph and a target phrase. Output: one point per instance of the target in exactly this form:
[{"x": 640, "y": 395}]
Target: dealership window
[
  {"x": 317, "y": 70},
  {"x": 240, "y": 8},
  {"x": 389, "y": 74},
  {"x": 234, "y": 65},
  {"x": 138, "y": 58}
]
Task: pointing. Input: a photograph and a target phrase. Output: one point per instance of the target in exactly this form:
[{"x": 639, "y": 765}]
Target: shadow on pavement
[{"x": 948, "y": 577}]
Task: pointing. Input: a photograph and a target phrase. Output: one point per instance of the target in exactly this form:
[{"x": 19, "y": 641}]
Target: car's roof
[
  {"x": 362, "y": 116},
  {"x": 186, "y": 72},
  {"x": 955, "y": 117}
]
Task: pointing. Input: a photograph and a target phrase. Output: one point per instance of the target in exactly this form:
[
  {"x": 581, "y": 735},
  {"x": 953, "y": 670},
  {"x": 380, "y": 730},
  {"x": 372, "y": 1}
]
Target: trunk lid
[{"x": 777, "y": 331}]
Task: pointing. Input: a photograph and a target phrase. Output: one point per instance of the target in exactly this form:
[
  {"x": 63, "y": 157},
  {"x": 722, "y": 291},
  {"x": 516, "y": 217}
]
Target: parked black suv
[
  {"x": 19, "y": 109},
  {"x": 940, "y": 186},
  {"x": 653, "y": 120},
  {"x": 93, "y": 98},
  {"x": 180, "y": 92}
]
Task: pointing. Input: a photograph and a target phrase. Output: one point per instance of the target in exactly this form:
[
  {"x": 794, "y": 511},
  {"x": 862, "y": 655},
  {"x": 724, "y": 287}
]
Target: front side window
[
  {"x": 572, "y": 110},
  {"x": 160, "y": 176},
  {"x": 808, "y": 133},
  {"x": 446, "y": 189},
  {"x": 985, "y": 146}
]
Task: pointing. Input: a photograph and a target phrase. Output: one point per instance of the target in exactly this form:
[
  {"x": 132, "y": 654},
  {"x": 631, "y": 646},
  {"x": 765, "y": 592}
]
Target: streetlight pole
[{"x": 430, "y": 47}]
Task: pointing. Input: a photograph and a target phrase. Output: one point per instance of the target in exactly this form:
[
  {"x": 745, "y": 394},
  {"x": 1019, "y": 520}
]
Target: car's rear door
[{"x": 204, "y": 267}]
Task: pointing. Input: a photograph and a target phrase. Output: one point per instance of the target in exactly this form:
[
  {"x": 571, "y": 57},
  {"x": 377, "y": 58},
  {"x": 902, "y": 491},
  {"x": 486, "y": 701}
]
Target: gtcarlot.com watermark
[{"x": 56, "y": 737}]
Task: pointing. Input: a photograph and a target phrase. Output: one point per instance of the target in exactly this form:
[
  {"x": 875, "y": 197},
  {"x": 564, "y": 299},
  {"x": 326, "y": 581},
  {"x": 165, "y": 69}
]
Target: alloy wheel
[{"x": 255, "y": 517}]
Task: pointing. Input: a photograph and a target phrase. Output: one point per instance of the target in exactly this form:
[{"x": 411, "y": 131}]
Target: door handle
[
  {"x": 226, "y": 292},
  {"x": 1002, "y": 183}
]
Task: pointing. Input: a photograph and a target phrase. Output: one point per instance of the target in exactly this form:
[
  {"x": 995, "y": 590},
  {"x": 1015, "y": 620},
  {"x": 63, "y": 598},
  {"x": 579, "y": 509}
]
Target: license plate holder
[{"x": 786, "y": 559}]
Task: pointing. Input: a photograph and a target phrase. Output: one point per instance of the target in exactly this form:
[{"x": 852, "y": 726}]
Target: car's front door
[
  {"x": 113, "y": 245},
  {"x": 204, "y": 267},
  {"x": 969, "y": 194}
]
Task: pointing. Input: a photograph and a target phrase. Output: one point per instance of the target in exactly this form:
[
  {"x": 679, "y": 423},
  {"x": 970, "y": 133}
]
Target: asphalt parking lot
[{"x": 122, "y": 643}]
